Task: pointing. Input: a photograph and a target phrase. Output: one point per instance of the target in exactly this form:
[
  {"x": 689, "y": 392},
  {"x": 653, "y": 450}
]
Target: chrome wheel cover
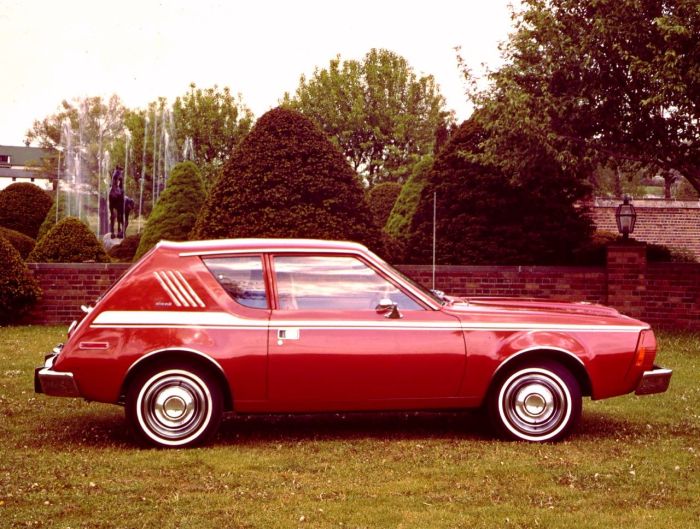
[
  {"x": 174, "y": 407},
  {"x": 535, "y": 404}
]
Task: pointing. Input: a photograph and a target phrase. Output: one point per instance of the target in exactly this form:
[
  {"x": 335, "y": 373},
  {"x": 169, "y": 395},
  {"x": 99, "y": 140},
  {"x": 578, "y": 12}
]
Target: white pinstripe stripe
[{"x": 192, "y": 319}]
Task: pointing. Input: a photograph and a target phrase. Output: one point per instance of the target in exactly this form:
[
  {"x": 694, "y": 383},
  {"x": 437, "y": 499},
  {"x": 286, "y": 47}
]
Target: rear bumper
[
  {"x": 654, "y": 381},
  {"x": 54, "y": 383}
]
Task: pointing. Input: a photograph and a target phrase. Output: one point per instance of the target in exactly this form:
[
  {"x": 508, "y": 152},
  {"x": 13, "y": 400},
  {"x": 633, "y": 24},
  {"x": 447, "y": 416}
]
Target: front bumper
[
  {"x": 654, "y": 381},
  {"x": 54, "y": 383}
]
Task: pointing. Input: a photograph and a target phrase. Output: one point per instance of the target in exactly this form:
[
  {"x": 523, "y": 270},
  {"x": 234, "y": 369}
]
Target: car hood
[{"x": 541, "y": 309}]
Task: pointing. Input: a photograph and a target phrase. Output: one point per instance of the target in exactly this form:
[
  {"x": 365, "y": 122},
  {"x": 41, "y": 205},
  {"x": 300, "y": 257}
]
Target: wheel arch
[
  {"x": 539, "y": 353},
  {"x": 191, "y": 356}
]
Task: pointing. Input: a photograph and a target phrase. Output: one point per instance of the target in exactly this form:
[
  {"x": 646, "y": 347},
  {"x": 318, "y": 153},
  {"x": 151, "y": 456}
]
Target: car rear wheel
[
  {"x": 536, "y": 402},
  {"x": 174, "y": 406}
]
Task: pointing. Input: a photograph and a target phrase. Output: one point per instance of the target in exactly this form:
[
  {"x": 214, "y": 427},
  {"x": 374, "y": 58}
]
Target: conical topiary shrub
[
  {"x": 18, "y": 288},
  {"x": 50, "y": 218},
  {"x": 286, "y": 179},
  {"x": 381, "y": 199},
  {"x": 485, "y": 216},
  {"x": 23, "y": 207},
  {"x": 69, "y": 241},
  {"x": 176, "y": 211},
  {"x": 398, "y": 224}
]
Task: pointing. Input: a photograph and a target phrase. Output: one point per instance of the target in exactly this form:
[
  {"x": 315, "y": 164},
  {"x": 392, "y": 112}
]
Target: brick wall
[
  {"x": 673, "y": 223},
  {"x": 66, "y": 286},
  {"x": 555, "y": 282},
  {"x": 665, "y": 295}
]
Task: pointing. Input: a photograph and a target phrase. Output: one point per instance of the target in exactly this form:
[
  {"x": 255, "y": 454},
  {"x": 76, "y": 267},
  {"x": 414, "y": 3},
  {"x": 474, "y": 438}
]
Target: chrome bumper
[
  {"x": 54, "y": 383},
  {"x": 654, "y": 381}
]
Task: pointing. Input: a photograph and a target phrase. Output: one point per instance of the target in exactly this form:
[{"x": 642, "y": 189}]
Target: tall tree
[
  {"x": 286, "y": 179},
  {"x": 592, "y": 82},
  {"x": 214, "y": 121},
  {"x": 381, "y": 115}
]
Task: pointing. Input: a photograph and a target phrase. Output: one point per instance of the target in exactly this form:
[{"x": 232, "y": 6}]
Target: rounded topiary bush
[
  {"x": 177, "y": 208},
  {"x": 125, "y": 250},
  {"x": 22, "y": 243},
  {"x": 69, "y": 241},
  {"x": 286, "y": 179},
  {"x": 18, "y": 288},
  {"x": 23, "y": 207}
]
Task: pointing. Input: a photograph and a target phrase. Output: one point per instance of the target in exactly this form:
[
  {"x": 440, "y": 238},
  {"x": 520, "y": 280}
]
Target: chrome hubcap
[
  {"x": 534, "y": 403},
  {"x": 174, "y": 406}
]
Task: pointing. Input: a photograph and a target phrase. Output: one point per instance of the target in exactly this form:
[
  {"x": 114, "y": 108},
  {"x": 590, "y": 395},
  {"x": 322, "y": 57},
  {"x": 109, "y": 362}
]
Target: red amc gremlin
[{"x": 196, "y": 329}]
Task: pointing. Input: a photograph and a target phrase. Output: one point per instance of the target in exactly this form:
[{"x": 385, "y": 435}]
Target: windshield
[{"x": 436, "y": 295}]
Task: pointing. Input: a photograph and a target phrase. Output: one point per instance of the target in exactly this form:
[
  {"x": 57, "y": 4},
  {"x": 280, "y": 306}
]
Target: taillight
[{"x": 646, "y": 350}]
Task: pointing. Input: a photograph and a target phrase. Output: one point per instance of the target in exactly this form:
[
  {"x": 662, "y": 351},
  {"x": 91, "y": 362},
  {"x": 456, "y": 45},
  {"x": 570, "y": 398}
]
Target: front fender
[{"x": 490, "y": 353}]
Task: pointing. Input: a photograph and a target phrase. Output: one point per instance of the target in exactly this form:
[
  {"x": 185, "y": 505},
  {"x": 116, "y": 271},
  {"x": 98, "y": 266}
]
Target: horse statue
[{"x": 116, "y": 204}]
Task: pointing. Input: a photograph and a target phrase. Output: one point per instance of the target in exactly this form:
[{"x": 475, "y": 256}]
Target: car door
[{"x": 332, "y": 347}]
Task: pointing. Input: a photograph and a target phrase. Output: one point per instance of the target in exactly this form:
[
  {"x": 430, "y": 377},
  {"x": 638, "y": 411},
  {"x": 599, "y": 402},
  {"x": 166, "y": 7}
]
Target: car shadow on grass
[
  {"x": 108, "y": 429},
  {"x": 385, "y": 426}
]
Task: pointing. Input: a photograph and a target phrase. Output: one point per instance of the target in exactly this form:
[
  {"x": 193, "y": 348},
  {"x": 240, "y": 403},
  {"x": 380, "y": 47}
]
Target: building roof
[{"x": 22, "y": 156}]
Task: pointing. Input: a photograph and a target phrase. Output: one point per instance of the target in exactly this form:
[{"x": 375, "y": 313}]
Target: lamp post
[{"x": 626, "y": 217}]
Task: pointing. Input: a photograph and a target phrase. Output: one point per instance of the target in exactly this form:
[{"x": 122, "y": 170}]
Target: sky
[{"x": 144, "y": 49}]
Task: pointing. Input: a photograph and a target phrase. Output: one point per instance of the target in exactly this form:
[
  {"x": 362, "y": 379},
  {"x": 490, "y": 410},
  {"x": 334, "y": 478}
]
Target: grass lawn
[{"x": 633, "y": 462}]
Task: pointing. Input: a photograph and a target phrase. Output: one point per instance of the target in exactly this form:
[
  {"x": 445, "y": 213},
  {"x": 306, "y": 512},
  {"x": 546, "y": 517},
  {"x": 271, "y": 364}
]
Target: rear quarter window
[{"x": 242, "y": 279}]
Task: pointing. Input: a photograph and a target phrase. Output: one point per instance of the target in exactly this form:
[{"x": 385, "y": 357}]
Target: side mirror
[{"x": 391, "y": 309}]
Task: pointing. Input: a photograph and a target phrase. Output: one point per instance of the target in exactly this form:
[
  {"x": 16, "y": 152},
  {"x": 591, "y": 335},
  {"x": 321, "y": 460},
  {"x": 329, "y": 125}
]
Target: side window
[
  {"x": 333, "y": 283},
  {"x": 241, "y": 277}
]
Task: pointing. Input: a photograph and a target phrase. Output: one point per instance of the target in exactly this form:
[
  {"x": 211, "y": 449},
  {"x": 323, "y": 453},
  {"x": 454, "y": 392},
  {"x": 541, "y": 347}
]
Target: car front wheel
[
  {"x": 538, "y": 402},
  {"x": 174, "y": 406}
]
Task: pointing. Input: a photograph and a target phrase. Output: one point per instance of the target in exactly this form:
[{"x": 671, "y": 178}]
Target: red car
[{"x": 197, "y": 329}]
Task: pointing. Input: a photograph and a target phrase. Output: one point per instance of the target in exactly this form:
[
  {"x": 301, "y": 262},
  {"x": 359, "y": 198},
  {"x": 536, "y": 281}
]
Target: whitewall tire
[
  {"x": 174, "y": 406},
  {"x": 536, "y": 402}
]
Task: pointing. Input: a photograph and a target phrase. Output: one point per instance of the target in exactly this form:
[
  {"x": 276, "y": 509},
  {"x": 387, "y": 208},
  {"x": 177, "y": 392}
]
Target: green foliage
[
  {"x": 377, "y": 111},
  {"x": 214, "y": 120},
  {"x": 287, "y": 180},
  {"x": 18, "y": 288},
  {"x": 484, "y": 216},
  {"x": 594, "y": 81},
  {"x": 381, "y": 199},
  {"x": 23, "y": 207},
  {"x": 125, "y": 251},
  {"x": 399, "y": 222},
  {"x": 176, "y": 210},
  {"x": 21, "y": 242},
  {"x": 69, "y": 241}
]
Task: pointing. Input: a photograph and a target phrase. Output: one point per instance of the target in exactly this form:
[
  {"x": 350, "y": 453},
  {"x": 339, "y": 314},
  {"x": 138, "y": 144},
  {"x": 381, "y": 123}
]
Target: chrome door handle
[{"x": 287, "y": 334}]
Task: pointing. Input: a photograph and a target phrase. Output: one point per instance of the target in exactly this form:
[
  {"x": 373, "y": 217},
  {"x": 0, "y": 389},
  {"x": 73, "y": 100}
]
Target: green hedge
[
  {"x": 18, "y": 288},
  {"x": 69, "y": 241},
  {"x": 23, "y": 207},
  {"x": 286, "y": 179},
  {"x": 22, "y": 243}
]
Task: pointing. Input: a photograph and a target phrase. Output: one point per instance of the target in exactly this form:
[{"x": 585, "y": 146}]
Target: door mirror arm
[{"x": 390, "y": 308}]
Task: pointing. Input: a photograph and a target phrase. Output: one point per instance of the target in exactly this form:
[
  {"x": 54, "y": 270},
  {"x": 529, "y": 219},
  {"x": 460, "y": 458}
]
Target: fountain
[{"x": 94, "y": 139}]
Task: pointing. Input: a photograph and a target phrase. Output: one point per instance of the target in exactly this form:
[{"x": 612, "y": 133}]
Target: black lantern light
[{"x": 625, "y": 216}]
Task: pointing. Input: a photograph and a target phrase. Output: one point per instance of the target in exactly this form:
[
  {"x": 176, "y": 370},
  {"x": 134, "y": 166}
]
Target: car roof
[{"x": 223, "y": 245}]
